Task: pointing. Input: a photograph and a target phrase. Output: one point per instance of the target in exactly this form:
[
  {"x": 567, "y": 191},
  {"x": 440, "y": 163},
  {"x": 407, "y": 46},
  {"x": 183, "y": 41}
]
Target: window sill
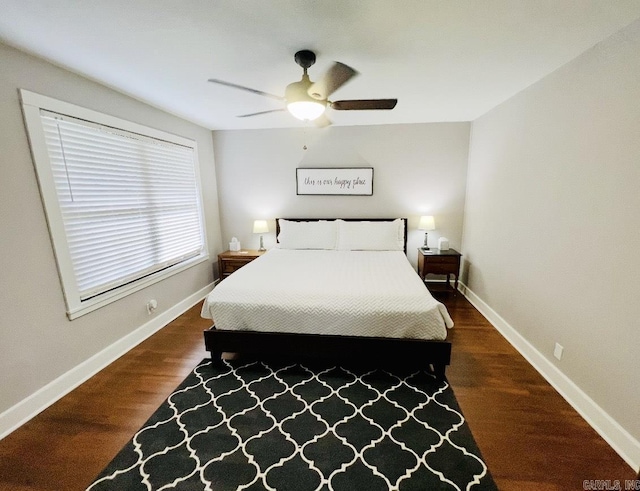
[{"x": 112, "y": 296}]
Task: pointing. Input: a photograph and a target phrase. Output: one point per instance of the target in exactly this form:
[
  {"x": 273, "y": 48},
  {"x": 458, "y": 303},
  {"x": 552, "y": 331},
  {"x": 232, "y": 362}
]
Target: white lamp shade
[
  {"x": 306, "y": 110},
  {"x": 260, "y": 227},
  {"x": 426, "y": 223}
]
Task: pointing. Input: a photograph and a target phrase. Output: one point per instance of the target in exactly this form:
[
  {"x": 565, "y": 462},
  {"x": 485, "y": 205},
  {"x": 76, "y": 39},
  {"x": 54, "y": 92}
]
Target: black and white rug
[{"x": 276, "y": 426}]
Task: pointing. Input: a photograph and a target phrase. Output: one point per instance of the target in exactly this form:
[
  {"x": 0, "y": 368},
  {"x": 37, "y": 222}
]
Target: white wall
[
  {"x": 418, "y": 169},
  {"x": 37, "y": 342},
  {"x": 551, "y": 229}
]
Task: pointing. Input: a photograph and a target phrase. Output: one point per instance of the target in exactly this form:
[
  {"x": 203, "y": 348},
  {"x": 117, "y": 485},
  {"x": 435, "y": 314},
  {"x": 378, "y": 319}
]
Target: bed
[{"x": 332, "y": 288}]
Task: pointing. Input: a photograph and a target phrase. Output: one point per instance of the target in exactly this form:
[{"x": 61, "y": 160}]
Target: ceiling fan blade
[
  {"x": 364, "y": 104},
  {"x": 322, "y": 121},
  {"x": 261, "y": 112},
  {"x": 338, "y": 75},
  {"x": 248, "y": 89}
]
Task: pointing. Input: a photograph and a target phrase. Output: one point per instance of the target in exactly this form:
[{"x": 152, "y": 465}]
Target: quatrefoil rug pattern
[{"x": 277, "y": 426}]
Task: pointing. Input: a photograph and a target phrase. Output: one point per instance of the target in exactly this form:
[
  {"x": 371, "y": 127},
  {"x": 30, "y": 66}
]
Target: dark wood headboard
[{"x": 346, "y": 220}]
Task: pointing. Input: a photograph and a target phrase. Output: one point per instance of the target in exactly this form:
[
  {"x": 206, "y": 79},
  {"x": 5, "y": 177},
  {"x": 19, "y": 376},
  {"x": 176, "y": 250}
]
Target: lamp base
[
  {"x": 261, "y": 249},
  {"x": 425, "y": 247}
]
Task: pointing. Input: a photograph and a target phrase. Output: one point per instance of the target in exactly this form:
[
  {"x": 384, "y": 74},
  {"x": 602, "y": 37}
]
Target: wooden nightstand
[
  {"x": 435, "y": 261},
  {"x": 229, "y": 261}
]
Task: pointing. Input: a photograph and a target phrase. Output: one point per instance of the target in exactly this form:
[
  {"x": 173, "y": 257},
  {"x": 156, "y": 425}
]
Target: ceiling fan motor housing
[
  {"x": 297, "y": 91},
  {"x": 300, "y": 103}
]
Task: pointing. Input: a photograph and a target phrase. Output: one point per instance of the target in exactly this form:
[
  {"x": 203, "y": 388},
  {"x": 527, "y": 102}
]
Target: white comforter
[{"x": 357, "y": 293}]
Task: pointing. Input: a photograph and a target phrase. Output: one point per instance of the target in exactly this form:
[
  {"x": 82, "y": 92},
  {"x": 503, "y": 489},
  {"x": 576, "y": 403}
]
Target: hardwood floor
[{"x": 529, "y": 436}]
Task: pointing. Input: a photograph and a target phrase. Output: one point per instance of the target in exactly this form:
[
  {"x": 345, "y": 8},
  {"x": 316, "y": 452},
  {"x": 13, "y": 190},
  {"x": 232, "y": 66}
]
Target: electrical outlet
[
  {"x": 151, "y": 306},
  {"x": 557, "y": 351}
]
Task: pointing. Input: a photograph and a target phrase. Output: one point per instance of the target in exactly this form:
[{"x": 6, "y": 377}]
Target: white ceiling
[{"x": 445, "y": 60}]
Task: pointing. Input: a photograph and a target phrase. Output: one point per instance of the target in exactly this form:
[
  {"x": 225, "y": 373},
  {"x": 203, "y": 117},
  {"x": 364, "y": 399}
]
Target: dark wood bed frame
[{"x": 435, "y": 355}]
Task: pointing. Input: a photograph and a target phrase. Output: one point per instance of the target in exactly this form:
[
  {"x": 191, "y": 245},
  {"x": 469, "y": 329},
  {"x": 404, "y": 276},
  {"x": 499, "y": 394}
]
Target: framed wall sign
[{"x": 334, "y": 181}]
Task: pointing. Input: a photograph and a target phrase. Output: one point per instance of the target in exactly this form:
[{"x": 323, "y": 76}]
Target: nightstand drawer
[
  {"x": 441, "y": 268},
  {"x": 446, "y": 260},
  {"x": 229, "y": 266}
]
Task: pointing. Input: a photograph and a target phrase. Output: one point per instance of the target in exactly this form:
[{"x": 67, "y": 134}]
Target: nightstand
[
  {"x": 435, "y": 261},
  {"x": 230, "y": 261}
]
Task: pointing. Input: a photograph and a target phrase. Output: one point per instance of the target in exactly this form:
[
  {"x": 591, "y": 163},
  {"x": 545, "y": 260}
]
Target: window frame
[{"x": 32, "y": 104}]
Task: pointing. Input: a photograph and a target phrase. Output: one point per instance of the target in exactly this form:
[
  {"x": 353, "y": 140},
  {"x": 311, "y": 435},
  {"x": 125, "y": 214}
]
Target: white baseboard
[
  {"x": 615, "y": 435},
  {"x": 17, "y": 415}
]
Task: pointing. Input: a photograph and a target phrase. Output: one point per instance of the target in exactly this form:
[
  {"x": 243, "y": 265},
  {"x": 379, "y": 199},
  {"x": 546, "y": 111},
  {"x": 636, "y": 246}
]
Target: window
[{"x": 122, "y": 200}]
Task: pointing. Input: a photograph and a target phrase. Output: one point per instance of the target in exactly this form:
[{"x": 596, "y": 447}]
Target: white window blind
[{"x": 128, "y": 204}]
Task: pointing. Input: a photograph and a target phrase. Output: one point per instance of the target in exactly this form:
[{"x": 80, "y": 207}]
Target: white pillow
[
  {"x": 307, "y": 235},
  {"x": 371, "y": 236}
]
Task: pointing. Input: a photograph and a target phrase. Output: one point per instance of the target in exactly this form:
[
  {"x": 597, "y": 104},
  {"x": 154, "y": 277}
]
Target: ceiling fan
[{"x": 307, "y": 100}]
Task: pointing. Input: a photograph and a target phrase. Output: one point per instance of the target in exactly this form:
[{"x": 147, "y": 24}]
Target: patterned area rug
[{"x": 277, "y": 426}]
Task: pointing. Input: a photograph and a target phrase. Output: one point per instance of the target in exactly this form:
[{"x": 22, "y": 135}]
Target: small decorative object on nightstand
[
  {"x": 427, "y": 224},
  {"x": 230, "y": 261},
  {"x": 437, "y": 261},
  {"x": 260, "y": 227},
  {"x": 443, "y": 244},
  {"x": 234, "y": 245}
]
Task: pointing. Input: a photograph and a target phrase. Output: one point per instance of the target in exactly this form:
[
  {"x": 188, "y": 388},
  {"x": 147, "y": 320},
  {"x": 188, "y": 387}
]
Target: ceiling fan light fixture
[{"x": 306, "y": 110}]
